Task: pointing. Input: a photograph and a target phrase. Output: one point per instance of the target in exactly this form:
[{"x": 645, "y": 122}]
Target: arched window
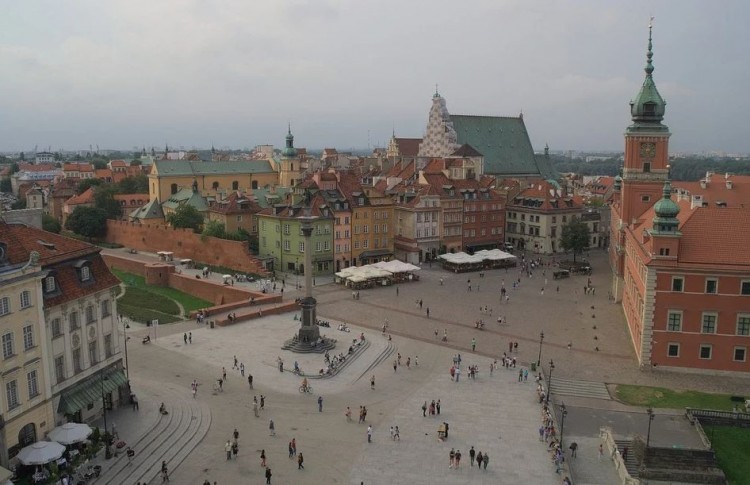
[
  {"x": 27, "y": 435},
  {"x": 235, "y": 185},
  {"x": 215, "y": 185},
  {"x": 292, "y": 165},
  {"x": 254, "y": 185},
  {"x": 173, "y": 188}
]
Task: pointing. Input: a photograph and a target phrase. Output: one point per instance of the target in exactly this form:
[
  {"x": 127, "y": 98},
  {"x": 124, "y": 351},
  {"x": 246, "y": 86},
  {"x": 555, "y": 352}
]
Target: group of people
[
  {"x": 433, "y": 408},
  {"x": 200, "y": 316},
  {"x": 480, "y": 458}
]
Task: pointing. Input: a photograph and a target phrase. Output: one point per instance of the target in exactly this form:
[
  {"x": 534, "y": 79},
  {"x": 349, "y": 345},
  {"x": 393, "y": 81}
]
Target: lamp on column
[
  {"x": 549, "y": 384},
  {"x": 539, "y": 358}
]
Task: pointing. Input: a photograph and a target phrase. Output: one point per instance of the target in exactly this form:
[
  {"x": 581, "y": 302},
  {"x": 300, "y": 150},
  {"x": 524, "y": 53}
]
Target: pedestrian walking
[
  {"x": 272, "y": 428},
  {"x": 164, "y": 472},
  {"x": 369, "y": 433},
  {"x": 472, "y": 455},
  {"x": 458, "y": 459},
  {"x": 416, "y": 361},
  {"x": 573, "y": 449},
  {"x": 458, "y": 374},
  {"x": 428, "y": 312},
  {"x": 372, "y": 382},
  {"x": 235, "y": 449},
  {"x": 348, "y": 413},
  {"x": 184, "y": 338},
  {"x": 486, "y": 459},
  {"x": 290, "y": 450},
  {"x": 424, "y": 409},
  {"x": 300, "y": 462},
  {"x": 452, "y": 456},
  {"x": 294, "y": 446},
  {"x": 228, "y": 449},
  {"x": 395, "y": 365},
  {"x": 320, "y": 404},
  {"x": 480, "y": 457},
  {"x": 397, "y": 434},
  {"x": 473, "y": 344},
  {"x": 262, "y": 402},
  {"x": 268, "y": 476},
  {"x": 263, "y": 458},
  {"x": 242, "y": 369},
  {"x": 408, "y": 362},
  {"x": 236, "y": 434},
  {"x": 190, "y": 337},
  {"x": 393, "y": 433},
  {"x": 235, "y": 363},
  {"x": 250, "y": 380},
  {"x": 224, "y": 373},
  {"x": 255, "y": 409},
  {"x": 437, "y": 407},
  {"x": 601, "y": 451}
]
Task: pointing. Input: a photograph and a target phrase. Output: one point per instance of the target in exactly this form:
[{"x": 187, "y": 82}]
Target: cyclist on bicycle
[{"x": 304, "y": 384}]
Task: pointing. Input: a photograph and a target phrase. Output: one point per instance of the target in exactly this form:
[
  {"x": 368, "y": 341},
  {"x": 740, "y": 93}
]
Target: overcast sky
[{"x": 192, "y": 73}]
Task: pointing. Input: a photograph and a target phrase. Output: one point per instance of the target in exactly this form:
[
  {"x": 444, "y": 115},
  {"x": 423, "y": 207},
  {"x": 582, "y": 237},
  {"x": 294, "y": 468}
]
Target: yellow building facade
[
  {"x": 25, "y": 400},
  {"x": 167, "y": 177}
]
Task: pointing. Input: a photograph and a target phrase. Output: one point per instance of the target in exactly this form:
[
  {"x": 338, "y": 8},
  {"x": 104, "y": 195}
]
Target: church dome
[{"x": 666, "y": 208}]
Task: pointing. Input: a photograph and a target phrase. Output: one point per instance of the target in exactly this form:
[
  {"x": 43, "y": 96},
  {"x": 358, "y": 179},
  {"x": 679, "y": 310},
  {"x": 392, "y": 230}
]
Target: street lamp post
[
  {"x": 125, "y": 328},
  {"x": 549, "y": 384},
  {"x": 539, "y": 358},
  {"x": 563, "y": 414},
  {"x": 107, "y": 451},
  {"x": 297, "y": 273},
  {"x": 651, "y": 417}
]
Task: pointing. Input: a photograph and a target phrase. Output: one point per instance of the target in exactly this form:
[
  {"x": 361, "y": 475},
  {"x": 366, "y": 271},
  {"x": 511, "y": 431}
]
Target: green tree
[
  {"x": 214, "y": 229},
  {"x": 90, "y": 222},
  {"x": 133, "y": 185},
  {"x": 6, "y": 186},
  {"x": 14, "y": 168},
  {"x": 50, "y": 224},
  {"x": 575, "y": 237},
  {"x": 136, "y": 162},
  {"x": 23, "y": 157},
  {"x": 86, "y": 183},
  {"x": 186, "y": 216},
  {"x": 19, "y": 204},
  {"x": 99, "y": 164},
  {"x": 104, "y": 198}
]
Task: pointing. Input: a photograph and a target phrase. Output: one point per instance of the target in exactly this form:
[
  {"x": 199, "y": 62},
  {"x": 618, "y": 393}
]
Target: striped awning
[{"x": 90, "y": 390}]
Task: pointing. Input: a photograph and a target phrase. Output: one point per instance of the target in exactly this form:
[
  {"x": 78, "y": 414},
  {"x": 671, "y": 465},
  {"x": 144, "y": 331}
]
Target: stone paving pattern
[{"x": 495, "y": 413}]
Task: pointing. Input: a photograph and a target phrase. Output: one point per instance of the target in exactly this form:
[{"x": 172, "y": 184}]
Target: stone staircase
[
  {"x": 631, "y": 464},
  {"x": 387, "y": 352},
  {"x": 572, "y": 387},
  {"x": 172, "y": 439}
]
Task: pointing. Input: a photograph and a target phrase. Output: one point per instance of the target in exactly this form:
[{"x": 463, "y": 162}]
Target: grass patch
[
  {"x": 188, "y": 302},
  {"x": 660, "y": 397},
  {"x": 138, "y": 297},
  {"x": 143, "y": 315},
  {"x": 732, "y": 447}
]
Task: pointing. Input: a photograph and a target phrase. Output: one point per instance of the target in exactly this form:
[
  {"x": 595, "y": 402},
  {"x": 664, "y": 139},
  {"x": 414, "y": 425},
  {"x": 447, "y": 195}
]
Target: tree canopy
[
  {"x": 575, "y": 237},
  {"x": 50, "y": 224},
  {"x": 84, "y": 184},
  {"x": 186, "y": 216},
  {"x": 214, "y": 229},
  {"x": 90, "y": 222},
  {"x": 137, "y": 184},
  {"x": 104, "y": 198}
]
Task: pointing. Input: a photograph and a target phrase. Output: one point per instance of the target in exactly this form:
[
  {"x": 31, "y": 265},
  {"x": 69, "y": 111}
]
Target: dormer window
[
  {"x": 50, "y": 284},
  {"x": 83, "y": 268},
  {"x": 85, "y": 273}
]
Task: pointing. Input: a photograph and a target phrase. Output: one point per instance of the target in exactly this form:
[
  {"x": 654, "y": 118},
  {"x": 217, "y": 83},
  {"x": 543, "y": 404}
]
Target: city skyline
[{"x": 348, "y": 75}]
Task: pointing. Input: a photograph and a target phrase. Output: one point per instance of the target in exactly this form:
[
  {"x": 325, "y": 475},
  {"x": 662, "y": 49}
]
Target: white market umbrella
[
  {"x": 40, "y": 453},
  {"x": 70, "y": 433}
]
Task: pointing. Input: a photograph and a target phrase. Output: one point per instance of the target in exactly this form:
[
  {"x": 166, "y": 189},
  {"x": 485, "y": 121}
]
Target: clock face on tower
[{"x": 648, "y": 150}]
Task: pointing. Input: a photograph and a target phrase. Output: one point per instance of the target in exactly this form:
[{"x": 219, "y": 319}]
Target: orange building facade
[{"x": 682, "y": 280}]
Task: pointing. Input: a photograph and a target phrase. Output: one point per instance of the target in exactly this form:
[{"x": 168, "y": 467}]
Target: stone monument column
[{"x": 309, "y": 332}]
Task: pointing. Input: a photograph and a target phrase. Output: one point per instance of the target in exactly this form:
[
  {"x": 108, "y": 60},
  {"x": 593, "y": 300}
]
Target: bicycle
[{"x": 305, "y": 389}]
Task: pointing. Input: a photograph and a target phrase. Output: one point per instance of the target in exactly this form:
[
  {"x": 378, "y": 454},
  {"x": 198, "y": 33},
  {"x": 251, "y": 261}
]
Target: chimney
[
  {"x": 703, "y": 183},
  {"x": 729, "y": 184}
]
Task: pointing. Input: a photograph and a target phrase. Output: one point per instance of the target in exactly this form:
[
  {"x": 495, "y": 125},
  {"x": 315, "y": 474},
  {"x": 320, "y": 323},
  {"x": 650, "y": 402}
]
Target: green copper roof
[
  {"x": 289, "y": 151},
  {"x": 504, "y": 143},
  {"x": 666, "y": 208},
  {"x": 647, "y": 109},
  {"x": 185, "y": 167},
  {"x": 187, "y": 196}
]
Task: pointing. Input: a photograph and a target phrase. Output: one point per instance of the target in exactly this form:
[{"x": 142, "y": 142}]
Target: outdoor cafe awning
[{"x": 89, "y": 390}]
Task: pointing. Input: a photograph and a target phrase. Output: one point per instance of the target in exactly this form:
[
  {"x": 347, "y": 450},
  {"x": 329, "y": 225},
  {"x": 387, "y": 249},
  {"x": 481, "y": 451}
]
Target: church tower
[
  {"x": 646, "y": 148},
  {"x": 289, "y": 165},
  {"x": 440, "y": 138}
]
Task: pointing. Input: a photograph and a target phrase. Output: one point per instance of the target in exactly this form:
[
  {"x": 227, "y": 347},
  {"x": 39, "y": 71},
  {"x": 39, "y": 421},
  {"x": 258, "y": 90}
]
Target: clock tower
[{"x": 646, "y": 148}]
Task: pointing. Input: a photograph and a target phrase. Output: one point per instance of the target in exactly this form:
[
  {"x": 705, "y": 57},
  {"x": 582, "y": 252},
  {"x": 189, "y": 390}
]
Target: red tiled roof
[
  {"x": 408, "y": 147},
  {"x": 30, "y": 167},
  {"x": 128, "y": 197},
  {"x": 717, "y": 191},
  {"x": 548, "y": 195},
  {"x": 78, "y": 167},
  {"x": 102, "y": 173},
  {"x": 233, "y": 204},
  {"x": 87, "y": 197},
  {"x": 704, "y": 236},
  {"x": 118, "y": 163}
]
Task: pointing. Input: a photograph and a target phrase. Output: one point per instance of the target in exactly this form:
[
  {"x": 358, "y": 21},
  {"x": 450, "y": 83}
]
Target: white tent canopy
[
  {"x": 40, "y": 453},
  {"x": 478, "y": 257},
  {"x": 396, "y": 266},
  {"x": 70, "y": 433}
]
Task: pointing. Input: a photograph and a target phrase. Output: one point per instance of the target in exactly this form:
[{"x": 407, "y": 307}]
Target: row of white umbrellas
[{"x": 43, "y": 452}]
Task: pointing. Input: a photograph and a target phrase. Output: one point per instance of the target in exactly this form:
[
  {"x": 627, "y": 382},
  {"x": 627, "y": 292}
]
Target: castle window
[
  {"x": 673, "y": 350},
  {"x": 254, "y": 185},
  {"x": 740, "y": 354},
  {"x": 712, "y": 286},
  {"x": 173, "y": 189},
  {"x": 705, "y": 352},
  {"x": 235, "y": 185},
  {"x": 678, "y": 284},
  {"x": 215, "y": 185},
  {"x": 674, "y": 322},
  {"x": 646, "y": 167}
]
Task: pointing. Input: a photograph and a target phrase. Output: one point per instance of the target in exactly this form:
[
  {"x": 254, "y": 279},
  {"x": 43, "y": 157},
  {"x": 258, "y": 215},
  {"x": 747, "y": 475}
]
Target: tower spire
[{"x": 650, "y": 52}]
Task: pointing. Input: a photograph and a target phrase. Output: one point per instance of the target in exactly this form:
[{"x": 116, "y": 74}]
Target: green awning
[{"x": 90, "y": 390}]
